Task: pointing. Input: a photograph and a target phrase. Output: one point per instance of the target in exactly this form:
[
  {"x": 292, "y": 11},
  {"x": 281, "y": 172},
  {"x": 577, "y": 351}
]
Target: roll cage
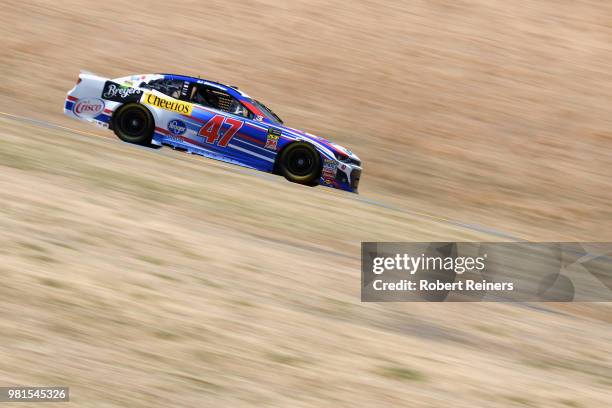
[{"x": 212, "y": 95}]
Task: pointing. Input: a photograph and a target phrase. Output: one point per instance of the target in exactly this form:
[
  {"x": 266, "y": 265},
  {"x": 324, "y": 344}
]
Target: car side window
[
  {"x": 218, "y": 99},
  {"x": 170, "y": 87}
]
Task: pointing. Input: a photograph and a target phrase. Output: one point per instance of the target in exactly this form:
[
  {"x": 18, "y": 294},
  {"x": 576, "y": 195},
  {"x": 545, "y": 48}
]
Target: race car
[{"x": 212, "y": 120}]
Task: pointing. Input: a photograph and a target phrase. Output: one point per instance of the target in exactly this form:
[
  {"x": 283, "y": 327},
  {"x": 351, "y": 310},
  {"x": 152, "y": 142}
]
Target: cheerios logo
[{"x": 168, "y": 103}]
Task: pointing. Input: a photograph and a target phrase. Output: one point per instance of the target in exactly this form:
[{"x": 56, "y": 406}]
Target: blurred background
[{"x": 153, "y": 278}]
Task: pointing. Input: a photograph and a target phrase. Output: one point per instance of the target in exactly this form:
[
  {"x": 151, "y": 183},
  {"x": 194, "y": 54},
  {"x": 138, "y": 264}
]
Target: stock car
[{"x": 213, "y": 120}]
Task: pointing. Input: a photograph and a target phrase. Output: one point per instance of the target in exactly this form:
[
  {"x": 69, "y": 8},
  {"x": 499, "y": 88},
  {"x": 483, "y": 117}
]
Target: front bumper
[{"x": 343, "y": 176}]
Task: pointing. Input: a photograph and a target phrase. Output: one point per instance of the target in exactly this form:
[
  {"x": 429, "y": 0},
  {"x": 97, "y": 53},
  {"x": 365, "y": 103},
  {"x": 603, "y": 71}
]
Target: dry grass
[{"x": 150, "y": 288}]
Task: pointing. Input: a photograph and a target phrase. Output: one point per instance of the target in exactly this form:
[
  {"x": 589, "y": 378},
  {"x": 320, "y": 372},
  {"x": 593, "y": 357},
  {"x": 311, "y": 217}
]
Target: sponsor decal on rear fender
[
  {"x": 167, "y": 103},
  {"x": 88, "y": 108},
  {"x": 120, "y": 93}
]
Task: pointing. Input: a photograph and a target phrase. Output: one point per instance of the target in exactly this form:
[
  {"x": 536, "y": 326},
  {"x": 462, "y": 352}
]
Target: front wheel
[
  {"x": 133, "y": 123},
  {"x": 300, "y": 163}
]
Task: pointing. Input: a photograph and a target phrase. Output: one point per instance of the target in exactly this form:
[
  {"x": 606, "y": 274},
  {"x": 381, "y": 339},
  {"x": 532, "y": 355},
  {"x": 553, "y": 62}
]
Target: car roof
[
  {"x": 232, "y": 90},
  {"x": 246, "y": 100}
]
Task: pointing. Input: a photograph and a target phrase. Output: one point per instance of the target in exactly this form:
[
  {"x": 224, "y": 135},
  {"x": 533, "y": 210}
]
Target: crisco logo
[
  {"x": 177, "y": 127},
  {"x": 88, "y": 108}
]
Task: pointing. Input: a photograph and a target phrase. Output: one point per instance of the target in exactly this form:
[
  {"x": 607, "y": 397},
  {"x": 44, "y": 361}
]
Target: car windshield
[{"x": 268, "y": 112}]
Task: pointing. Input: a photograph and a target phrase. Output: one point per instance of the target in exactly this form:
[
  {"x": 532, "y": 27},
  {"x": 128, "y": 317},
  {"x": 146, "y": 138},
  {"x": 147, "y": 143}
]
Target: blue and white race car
[{"x": 213, "y": 120}]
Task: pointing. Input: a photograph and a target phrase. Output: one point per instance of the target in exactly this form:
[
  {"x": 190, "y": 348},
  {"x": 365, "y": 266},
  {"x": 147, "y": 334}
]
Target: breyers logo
[{"x": 119, "y": 93}]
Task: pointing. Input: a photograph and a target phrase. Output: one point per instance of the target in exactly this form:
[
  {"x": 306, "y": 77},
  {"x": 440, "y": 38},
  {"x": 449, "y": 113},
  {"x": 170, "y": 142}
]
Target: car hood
[{"x": 336, "y": 148}]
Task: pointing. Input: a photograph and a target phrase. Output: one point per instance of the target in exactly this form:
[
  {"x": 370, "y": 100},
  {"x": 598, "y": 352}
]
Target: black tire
[
  {"x": 133, "y": 123},
  {"x": 300, "y": 163}
]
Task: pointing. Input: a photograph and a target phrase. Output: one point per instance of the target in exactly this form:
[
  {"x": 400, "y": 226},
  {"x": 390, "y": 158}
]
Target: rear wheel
[
  {"x": 133, "y": 123},
  {"x": 300, "y": 163}
]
